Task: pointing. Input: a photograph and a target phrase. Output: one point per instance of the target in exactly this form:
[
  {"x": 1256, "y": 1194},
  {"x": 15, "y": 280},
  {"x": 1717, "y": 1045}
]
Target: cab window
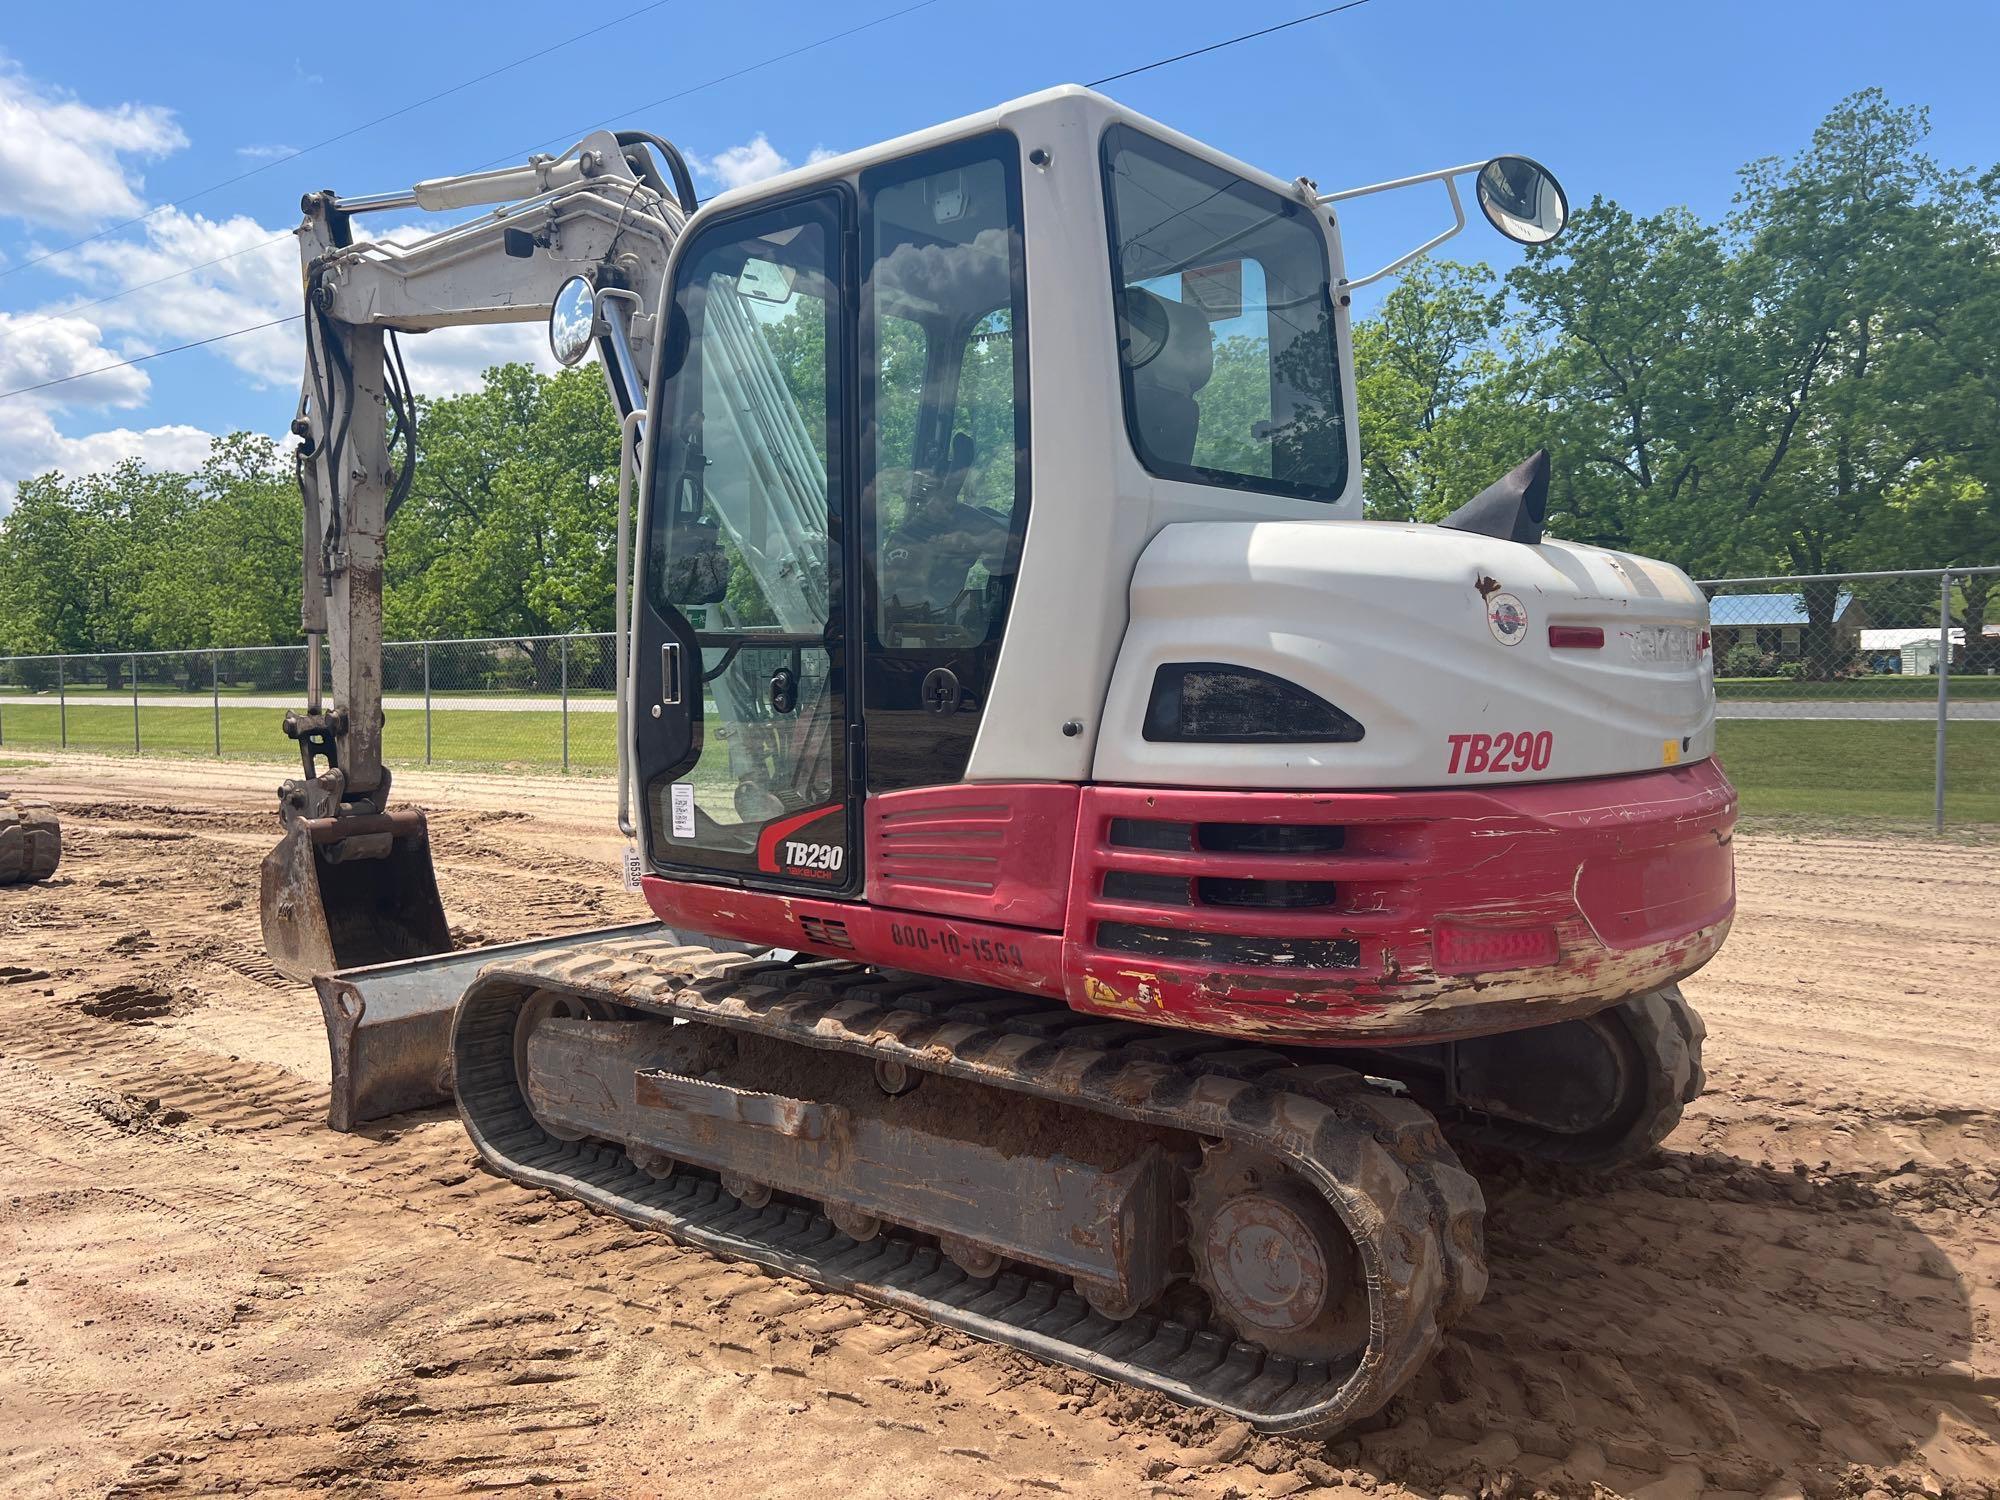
[
  {"x": 1225, "y": 325},
  {"x": 947, "y": 474}
]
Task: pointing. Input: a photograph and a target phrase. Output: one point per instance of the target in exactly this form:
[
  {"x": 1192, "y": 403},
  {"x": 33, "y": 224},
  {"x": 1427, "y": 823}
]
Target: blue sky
[{"x": 1650, "y": 105}]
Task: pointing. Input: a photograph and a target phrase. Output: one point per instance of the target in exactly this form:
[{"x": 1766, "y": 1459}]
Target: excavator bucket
[
  {"x": 388, "y": 1027},
  {"x": 344, "y": 893}
]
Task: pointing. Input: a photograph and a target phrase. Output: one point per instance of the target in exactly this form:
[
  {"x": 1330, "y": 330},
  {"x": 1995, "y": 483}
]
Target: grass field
[
  {"x": 97, "y": 694},
  {"x": 1884, "y": 688},
  {"x": 530, "y": 740},
  {"x": 1817, "y": 769},
  {"x": 1835, "y": 769}
]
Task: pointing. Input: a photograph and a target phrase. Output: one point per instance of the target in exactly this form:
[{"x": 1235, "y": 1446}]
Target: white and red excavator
[{"x": 1115, "y": 859}]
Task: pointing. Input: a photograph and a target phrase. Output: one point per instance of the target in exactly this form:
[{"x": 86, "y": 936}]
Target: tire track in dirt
[{"x": 382, "y": 1314}]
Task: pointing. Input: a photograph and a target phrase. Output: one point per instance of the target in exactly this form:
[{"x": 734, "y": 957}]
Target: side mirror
[
  {"x": 1522, "y": 199},
  {"x": 574, "y": 321}
]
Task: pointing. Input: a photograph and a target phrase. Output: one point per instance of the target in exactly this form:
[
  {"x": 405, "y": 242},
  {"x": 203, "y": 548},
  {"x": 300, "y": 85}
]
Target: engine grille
[{"x": 1308, "y": 889}]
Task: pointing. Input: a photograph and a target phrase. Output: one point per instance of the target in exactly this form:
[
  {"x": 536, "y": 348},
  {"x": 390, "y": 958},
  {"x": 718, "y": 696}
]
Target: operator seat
[{"x": 1170, "y": 349}]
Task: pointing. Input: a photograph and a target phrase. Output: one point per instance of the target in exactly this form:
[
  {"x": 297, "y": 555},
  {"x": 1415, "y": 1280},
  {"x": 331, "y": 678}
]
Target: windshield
[{"x": 1225, "y": 325}]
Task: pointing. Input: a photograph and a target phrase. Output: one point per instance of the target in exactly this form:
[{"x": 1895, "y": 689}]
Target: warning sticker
[{"x": 683, "y": 809}]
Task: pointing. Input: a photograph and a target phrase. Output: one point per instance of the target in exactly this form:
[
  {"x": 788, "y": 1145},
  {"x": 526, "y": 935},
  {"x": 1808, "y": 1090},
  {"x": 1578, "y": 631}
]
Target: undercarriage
[{"x": 1242, "y": 1227}]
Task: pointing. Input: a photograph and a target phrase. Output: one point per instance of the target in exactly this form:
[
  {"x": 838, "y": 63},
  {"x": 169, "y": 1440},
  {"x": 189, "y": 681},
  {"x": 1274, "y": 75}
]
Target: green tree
[
  {"x": 1421, "y": 364},
  {"x": 508, "y": 528}
]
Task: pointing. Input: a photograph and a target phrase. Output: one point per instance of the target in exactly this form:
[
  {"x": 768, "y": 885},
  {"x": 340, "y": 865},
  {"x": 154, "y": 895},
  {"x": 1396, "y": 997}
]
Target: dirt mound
[{"x": 136, "y": 1115}]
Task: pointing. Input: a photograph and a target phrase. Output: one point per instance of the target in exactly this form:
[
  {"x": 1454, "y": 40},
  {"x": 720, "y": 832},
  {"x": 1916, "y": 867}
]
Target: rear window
[{"x": 1225, "y": 325}]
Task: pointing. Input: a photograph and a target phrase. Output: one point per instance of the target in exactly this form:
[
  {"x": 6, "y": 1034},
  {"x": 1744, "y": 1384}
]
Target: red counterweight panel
[{"x": 1312, "y": 915}]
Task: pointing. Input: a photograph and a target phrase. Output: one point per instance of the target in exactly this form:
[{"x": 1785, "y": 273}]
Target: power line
[
  {"x": 1248, "y": 36},
  {"x": 278, "y": 161},
  {"x": 654, "y": 104},
  {"x": 571, "y": 135},
  {"x": 156, "y": 354},
  {"x": 496, "y": 161},
  {"x": 70, "y": 312}
]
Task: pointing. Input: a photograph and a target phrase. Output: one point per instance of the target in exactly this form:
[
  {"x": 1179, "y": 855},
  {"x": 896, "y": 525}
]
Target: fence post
[
  {"x": 134, "y": 660},
  {"x": 1944, "y": 690},
  {"x": 215, "y": 693},
  {"x": 427, "y": 702},
  {"x": 62, "y": 706},
  {"x": 565, "y": 703}
]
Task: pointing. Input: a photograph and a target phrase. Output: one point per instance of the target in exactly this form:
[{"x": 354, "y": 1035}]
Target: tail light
[
  {"x": 1462, "y": 948},
  {"x": 1577, "y": 637}
]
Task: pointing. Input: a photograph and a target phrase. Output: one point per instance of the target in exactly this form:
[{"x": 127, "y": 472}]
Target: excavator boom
[{"x": 351, "y": 883}]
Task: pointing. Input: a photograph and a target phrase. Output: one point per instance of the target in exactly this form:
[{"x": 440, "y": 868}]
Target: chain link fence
[
  {"x": 1863, "y": 696},
  {"x": 521, "y": 702}
]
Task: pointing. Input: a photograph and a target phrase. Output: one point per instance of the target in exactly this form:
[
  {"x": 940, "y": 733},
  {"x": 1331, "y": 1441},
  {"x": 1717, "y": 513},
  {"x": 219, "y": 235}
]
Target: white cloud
[
  {"x": 266, "y": 153},
  {"x": 753, "y": 161},
  {"x": 451, "y": 360},
  {"x": 39, "y": 349},
  {"x": 257, "y": 282},
  {"x": 62, "y": 161},
  {"x": 30, "y": 441}
]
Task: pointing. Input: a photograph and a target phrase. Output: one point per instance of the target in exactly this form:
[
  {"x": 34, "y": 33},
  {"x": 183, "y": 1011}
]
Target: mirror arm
[{"x": 1458, "y": 222}]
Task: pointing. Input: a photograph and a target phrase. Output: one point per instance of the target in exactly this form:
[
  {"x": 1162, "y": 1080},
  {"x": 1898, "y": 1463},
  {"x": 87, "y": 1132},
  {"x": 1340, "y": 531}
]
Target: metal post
[
  {"x": 565, "y": 703},
  {"x": 1944, "y": 690},
  {"x": 134, "y": 659},
  {"x": 62, "y": 705},
  {"x": 215, "y": 693},
  {"x": 427, "y": 702}
]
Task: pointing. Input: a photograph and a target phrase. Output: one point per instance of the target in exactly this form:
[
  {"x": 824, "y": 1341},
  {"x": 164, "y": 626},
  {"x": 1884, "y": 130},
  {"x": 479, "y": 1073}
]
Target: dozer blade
[
  {"x": 344, "y": 893},
  {"x": 388, "y": 1026}
]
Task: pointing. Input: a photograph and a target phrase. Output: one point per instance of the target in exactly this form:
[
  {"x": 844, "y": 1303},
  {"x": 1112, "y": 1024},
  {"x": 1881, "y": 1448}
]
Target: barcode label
[{"x": 634, "y": 868}]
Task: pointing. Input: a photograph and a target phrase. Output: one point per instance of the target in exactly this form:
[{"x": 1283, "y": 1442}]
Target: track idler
[
  {"x": 1182, "y": 1213},
  {"x": 1596, "y": 1093}
]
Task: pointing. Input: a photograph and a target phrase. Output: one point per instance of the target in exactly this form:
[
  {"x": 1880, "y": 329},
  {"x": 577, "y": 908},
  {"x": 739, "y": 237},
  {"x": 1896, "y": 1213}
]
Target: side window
[
  {"x": 745, "y": 522},
  {"x": 946, "y": 473},
  {"x": 1225, "y": 325}
]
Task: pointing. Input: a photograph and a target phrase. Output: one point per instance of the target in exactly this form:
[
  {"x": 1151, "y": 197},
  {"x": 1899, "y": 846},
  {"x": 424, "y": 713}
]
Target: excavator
[{"x": 1100, "y": 880}]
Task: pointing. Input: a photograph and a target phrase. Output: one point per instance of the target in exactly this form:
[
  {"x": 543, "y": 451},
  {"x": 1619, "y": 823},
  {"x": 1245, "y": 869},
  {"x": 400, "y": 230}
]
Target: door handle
[{"x": 670, "y": 673}]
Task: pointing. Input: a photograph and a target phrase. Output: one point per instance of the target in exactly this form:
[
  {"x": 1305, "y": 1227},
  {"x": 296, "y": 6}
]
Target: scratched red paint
[{"x": 1634, "y": 873}]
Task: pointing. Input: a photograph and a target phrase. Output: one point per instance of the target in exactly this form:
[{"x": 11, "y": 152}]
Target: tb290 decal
[{"x": 1526, "y": 750}]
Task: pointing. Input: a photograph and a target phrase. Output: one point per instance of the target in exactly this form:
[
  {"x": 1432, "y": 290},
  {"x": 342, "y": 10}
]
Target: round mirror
[
  {"x": 573, "y": 323},
  {"x": 1522, "y": 199}
]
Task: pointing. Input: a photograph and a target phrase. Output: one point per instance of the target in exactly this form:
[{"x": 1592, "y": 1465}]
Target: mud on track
[{"x": 202, "y": 1290}]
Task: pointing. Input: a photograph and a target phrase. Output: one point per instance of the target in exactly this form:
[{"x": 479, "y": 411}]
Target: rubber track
[
  {"x": 1666, "y": 1034},
  {"x": 1414, "y": 1213},
  {"x": 30, "y": 841}
]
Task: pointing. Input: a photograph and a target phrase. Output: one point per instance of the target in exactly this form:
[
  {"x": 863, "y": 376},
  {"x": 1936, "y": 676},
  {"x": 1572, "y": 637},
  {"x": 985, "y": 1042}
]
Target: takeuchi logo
[{"x": 1507, "y": 618}]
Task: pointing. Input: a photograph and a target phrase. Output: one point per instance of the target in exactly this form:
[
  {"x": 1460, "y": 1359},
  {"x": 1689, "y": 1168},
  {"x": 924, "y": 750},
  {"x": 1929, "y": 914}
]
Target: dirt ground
[{"x": 204, "y": 1290}]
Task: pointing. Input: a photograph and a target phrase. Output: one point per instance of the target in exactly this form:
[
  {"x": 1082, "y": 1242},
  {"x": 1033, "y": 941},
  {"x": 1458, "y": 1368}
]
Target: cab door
[{"x": 743, "y": 731}]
